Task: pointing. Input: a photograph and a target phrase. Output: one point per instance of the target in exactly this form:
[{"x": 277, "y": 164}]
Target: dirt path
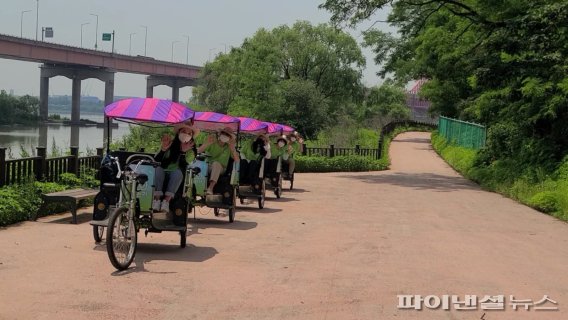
[{"x": 341, "y": 247}]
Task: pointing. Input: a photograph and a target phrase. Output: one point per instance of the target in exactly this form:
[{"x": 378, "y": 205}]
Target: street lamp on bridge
[
  {"x": 22, "y": 23},
  {"x": 96, "y": 31},
  {"x": 145, "y": 38},
  {"x": 187, "y": 50},
  {"x": 174, "y": 42},
  {"x": 130, "y": 44},
  {"x": 82, "y": 25}
]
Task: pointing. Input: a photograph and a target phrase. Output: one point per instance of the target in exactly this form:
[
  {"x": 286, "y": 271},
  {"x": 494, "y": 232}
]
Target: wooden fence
[{"x": 42, "y": 168}]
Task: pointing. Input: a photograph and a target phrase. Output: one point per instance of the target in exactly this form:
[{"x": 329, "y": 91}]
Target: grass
[{"x": 531, "y": 185}]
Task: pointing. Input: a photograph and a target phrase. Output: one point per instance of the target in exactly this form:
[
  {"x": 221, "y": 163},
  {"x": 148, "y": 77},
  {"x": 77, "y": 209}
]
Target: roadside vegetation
[{"x": 538, "y": 187}]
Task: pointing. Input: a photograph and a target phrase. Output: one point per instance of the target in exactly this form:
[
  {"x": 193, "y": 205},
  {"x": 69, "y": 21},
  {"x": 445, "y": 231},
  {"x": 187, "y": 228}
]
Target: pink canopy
[
  {"x": 277, "y": 129},
  {"x": 148, "y": 110},
  {"x": 252, "y": 126},
  {"x": 212, "y": 121}
]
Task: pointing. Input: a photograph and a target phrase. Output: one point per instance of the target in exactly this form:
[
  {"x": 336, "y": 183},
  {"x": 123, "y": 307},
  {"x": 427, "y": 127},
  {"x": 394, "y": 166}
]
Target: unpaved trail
[{"x": 341, "y": 246}]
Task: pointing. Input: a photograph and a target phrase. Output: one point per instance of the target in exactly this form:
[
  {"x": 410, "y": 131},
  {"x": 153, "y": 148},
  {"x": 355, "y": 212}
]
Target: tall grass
[{"x": 533, "y": 186}]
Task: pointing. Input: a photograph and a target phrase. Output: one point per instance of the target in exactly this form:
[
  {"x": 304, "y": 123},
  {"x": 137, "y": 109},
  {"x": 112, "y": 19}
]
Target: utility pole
[{"x": 130, "y": 44}]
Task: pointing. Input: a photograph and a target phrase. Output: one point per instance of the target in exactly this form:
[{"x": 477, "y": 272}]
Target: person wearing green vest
[
  {"x": 295, "y": 146},
  {"x": 278, "y": 149},
  {"x": 252, "y": 152},
  {"x": 172, "y": 158},
  {"x": 219, "y": 150}
]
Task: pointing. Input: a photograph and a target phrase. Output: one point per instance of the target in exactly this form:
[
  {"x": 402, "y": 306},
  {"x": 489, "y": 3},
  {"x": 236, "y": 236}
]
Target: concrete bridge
[{"x": 79, "y": 64}]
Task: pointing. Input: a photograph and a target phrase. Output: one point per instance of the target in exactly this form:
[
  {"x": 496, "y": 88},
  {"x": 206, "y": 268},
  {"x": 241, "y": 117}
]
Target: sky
[{"x": 212, "y": 26}]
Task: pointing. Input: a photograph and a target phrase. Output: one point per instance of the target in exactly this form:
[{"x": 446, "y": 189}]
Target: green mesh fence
[{"x": 462, "y": 133}]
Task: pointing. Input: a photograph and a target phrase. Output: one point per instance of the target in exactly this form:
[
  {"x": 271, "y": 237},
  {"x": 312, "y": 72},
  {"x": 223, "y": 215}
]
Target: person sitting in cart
[
  {"x": 295, "y": 146},
  {"x": 252, "y": 153},
  {"x": 219, "y": 151},
  {"x": 279, "y": 148},
  {"x": 172, "y": 158}
]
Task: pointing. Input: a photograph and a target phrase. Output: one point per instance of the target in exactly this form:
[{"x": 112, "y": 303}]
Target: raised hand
[{"x": 166, "y": 141}]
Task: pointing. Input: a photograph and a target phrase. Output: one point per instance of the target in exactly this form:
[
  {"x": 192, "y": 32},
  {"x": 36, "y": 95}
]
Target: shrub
[
  {"x": 338, "y": 164},
  {"x": 544, "y": 201}
]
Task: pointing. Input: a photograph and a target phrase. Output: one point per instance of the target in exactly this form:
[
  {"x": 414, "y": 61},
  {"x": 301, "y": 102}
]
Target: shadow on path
[{"x": 418, "y": 181}]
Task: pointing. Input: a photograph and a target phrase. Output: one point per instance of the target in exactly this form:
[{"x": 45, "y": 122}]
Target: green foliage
[
  {"x": 385, "y": 102},
  {"x": 303, "y": 75},
  {"x": 20, "y": 202},
  {"x": 499, "y": 63},
  {"x": 338, "y": 164},
  {"x": 539, "y": 187},
  {"x": 348, "y": 134},
  {"x": 544, "y": 201},
  {"x": 18, "y": 110}
]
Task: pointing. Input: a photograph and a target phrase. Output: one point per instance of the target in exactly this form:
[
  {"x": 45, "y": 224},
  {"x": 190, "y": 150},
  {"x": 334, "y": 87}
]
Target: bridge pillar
[
  {"x": 76, "y": 74},
  {"x": 43, "y": 97},
  {"x": 175, "y": 91},
  {"x": 109, "y": 98},
  {"x": 149, "y": 90},
  {"x": 172, "y": 82},
  {"x": 75, "y": 102},
  {"x": 42, "y": 135}
]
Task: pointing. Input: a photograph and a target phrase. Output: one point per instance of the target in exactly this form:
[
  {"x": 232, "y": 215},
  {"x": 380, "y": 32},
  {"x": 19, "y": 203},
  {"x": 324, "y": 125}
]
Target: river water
[{"x": 16, "y": 137}]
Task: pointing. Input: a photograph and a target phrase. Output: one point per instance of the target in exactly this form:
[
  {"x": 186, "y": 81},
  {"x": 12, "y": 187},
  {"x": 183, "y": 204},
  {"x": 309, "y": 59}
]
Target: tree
[
  {"x": 502, "y": 63},
  {"x": 385, "y": 103},
  {"x": 260, "y": 78},
  {"x": 20, "y": 110}
]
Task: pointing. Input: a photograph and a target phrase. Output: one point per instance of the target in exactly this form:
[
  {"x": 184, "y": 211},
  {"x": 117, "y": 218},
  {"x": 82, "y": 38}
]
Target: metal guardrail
[{"x": 463, "y": 133}]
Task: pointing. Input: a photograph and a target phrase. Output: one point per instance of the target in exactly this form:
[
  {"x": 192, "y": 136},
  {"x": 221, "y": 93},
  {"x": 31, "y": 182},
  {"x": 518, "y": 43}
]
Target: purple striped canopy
[
  {"x": 287, "y": 129},
  {"x": 148, "y": 110},
  {"x": 212, "y": 121},
  {"x": 253, "y": 126},
  {"x": 278, "y": 129}
]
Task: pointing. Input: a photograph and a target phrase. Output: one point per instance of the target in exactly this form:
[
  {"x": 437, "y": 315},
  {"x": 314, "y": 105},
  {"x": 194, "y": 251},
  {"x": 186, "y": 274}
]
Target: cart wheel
[
  {"x": 242, "y": 200},
  {"x": 182, "y": 238},
  {"x": 262, "y": 197},
  {"x": 278, "y": 190},
  {"x": 216, "y": 211},
  {"x": 292, "y": 183},
  {"x": 98, "y": 233},
  {"x": 233, "y": 209},
  {"x": 121, "y": 239}
]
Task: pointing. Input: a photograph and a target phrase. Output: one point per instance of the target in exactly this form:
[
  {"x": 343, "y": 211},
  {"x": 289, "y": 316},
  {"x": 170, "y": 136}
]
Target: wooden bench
[{"x": 69, "y": 196}]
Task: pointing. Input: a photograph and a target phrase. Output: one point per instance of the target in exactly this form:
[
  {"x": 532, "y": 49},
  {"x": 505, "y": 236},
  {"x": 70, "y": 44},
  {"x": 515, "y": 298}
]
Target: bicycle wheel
[
  {"x": 98, "y": 233},
  {"x": 233, "y": 209},
  {"x": 121, "y": 239},
  {"x": 182, "y": 238},
  {"x": 262, "y": 197}
]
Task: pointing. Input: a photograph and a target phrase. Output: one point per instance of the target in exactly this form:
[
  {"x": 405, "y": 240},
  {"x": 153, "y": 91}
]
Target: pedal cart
[
  {"x": 252, "y": 184},
  {"x": 273, "y": 167},
  {"x": 135, "y": 184},
  {"x": 197, "y": 177},
  {"x": 286, "y": 176}
]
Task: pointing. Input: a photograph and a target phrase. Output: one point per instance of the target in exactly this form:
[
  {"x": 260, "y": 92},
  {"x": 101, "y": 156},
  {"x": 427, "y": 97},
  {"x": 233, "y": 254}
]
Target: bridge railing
[{"x": 41, "y": 168}]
